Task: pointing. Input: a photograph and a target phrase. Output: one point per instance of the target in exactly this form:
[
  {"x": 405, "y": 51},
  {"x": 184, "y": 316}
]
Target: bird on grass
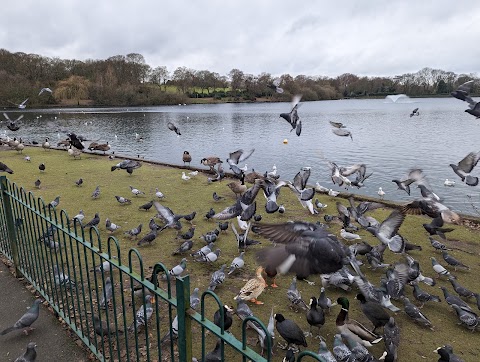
[
  {"x": 253, "y": 288},
  {"x": 144, "y": 313},
  {"x": 391, "y": 337},
  {"x": 414, "y": 313},
  {"x": 185, "y": 177},
  {"x": 127, "y": 165},
  {"x": 79, "y": 182},
  {"x": 96, "y": 193},
  {"x": 110, "y": 226},
  {"x": 294, "y": 296},
  {"x": 149, "y": 238},
  {"x": 41, "y": 167},
  {"x": 146, "y": 206},
  {"x": 352, "y": 328},
  {"x": 159, "y": 194},
  {"x": 107, "y": 294},
  {"x": 373, "y": 311},
  {"x": 315, "y": 317},
  {"x": 446, "y": 352},
  {"x": 55, "y": 202},
  {"x": 452, "y": 261},
  {"x": 94, "y": 222},
  {"x": 103, "y": 329},
  {"x": 123, "y": 200},
  {"x": 217, "y": 197},
  {"x": 184, "y": 247},
  {"x": 133, "y": 233},
  {"x": 26, "y": 320},
  {"x": 217, "y": 278},
  {"x": 62, "y": 279},
  {"x": 136, "y": 191},
  {"x": 5, "y": 168},
  {"x": 237, "y": 263},
  {"x": 290, "y": 331},
  {"x": 460, "y": 289},
  {"x": 422, "y": 296},
  {"x": 38, "y": 183}
]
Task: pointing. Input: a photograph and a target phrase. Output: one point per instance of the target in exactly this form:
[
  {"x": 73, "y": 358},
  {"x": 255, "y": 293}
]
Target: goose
[
  {"x": 46, "y": 144},
  {"x": 102, "y": 147},
  {"x": 186, "y": 157}
]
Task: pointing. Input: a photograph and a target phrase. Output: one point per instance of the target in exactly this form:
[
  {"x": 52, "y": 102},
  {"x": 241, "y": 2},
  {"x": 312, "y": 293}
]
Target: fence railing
[{"x": 118, "y": 312}]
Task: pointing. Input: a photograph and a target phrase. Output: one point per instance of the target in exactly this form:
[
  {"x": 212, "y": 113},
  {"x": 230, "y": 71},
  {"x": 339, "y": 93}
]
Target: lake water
[{"x": 385, "y": 138}]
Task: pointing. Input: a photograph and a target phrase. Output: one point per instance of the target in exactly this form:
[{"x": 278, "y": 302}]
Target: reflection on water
[{"x": 385, "y": 138}]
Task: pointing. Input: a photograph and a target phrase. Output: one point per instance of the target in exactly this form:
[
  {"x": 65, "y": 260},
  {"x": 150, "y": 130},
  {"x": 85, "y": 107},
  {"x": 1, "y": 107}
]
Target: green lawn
[{"x": 417, "y": 343}]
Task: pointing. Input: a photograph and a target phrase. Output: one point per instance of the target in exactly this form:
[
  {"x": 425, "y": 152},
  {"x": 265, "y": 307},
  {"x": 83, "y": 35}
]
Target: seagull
[
  {"x": 185, "y": 177},
  {"x": 45, "y": 90},
  {"x": 22, "y": 105},
  {"x": 449, "y": 182},
  {"x": 381, "y": 193},
  {"x": 349, "y": 236},
  {"x": 12, "y": 125},
  {"x": 333, "y": 193}
]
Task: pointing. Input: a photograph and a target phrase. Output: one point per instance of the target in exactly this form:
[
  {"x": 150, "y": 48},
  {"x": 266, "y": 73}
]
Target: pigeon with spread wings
[{"x": 292, "y": 116}]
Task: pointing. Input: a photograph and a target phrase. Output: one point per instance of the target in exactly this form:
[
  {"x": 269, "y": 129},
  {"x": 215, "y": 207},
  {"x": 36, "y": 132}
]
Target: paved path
[{"x": 53, "y": 341}]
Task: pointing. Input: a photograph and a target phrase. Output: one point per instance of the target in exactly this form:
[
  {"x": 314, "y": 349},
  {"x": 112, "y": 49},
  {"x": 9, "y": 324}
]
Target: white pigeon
[
  {"x": 159, "y": 194},
  {"x": 333, "y": 193},
  {"x": 242, "y": 224},
  {"x": 381, "y": 193},
  {"x": 185, "y": 177},
  {"x": 136, "y": 192},
  {"x": 79, "y": 217},
  {"x": 27, "y": 158}
]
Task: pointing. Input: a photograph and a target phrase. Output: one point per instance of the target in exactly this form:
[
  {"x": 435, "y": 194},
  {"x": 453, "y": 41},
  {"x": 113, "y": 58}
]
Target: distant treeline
[{"x": 126, "y": 80}]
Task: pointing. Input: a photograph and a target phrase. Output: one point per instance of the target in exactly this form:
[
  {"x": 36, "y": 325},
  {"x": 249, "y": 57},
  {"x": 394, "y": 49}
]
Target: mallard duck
[
  {"x": 186, "y": 157},
  {"x": 253, "y": 288},
  {"x": 352, "y": 328}
]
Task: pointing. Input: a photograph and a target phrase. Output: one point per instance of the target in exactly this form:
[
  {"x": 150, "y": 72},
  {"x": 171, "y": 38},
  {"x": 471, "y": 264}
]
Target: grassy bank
[{"x": 417, "y": 343}]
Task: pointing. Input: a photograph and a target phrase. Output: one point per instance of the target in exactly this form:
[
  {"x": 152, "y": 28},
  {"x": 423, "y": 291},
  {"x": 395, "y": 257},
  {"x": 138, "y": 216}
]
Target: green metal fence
[{"x": 72, "y": 268}]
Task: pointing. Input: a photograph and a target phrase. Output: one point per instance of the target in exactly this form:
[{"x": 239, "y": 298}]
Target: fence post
[
  {"x": 184, "y": 321},
  {"x": 7, "y": 208}
]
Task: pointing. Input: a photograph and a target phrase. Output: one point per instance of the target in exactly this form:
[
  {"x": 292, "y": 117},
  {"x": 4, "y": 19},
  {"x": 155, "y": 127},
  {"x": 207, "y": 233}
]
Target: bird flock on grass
[{"x": 354, "y": 258}]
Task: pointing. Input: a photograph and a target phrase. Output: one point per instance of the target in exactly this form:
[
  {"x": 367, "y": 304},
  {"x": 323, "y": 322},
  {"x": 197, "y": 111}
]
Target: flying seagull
[{"x": 45, "y": 90}]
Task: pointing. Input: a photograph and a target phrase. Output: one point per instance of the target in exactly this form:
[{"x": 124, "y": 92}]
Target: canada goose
[
  {"x": 186, "y": 157},
  {"x": 74, "y": 152},
  {"x": 210, "y": 161},
  {"x": 46, "y": 144},
  {"x": 102, "y": 147}
]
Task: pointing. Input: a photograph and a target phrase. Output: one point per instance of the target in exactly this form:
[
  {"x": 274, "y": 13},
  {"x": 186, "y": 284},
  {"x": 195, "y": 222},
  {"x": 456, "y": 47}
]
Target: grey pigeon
[
  {"x": 359, "y": 351},
  {"x": 387, "y": 231},
  {"x": 414, "y": 313},
  {"x": 55, "y": 202},
  {"x": 25, "y": 321},
  {"x": 203, "y": 251},
  {"x": 452, "y": 261},
  {"x": 423, "y": 296},
  {"x": 103, "y": 329},
  {"x": 461, "y": 290},
  {"x": 468, "y": 318},
  {"x": 178, "y": 269},
  {"x": 438, "y": 268},
  {"x": 404, "y": 185},
  {"x": 136, "y": 191},
  {"x": 171, "y": 220},
  {"x": 186, "y": 246},
  {"x": 295, "y": 297},
  {"x": 217, "y": 278},
  {"x": 210, "y": 257},
  {"x": 391, "y": 337},
  {"x": 107, "y": 294},
  {"x": 62, "y": 279},
  {"x": 453, "y": 299},
  {"x": 146, "y": 206},
  {"x": 292, "y": 117},
  {"x": 96, "y": 193},
  {"x": 94, "y": 222},
  {"x": 30, "y": 354},
  {"x": 123, "y": 200},
  {"x": 37, "y": 183},
  {"x": 237, "y": 263},
  {"x": 172, "y": 127},
  {"x": 324, "y": 353},
  {"x": 437, "y": 244},
  {"x": 462, "y": 91},
  {"x": 133, "y": 233},
  {"x": 79, "y": 182},
  {"x": 5, "y": 168},
  {"x": 141, "y": 318},
  {"x": 149, "y": 238},
  {"x": 341, "y": 352},
  {"x": 465, "y": 167},
  {"x": 194, "y": 299},
  {"x": 217, "y": 197},
  {"x": 110, "y": 226},
  {"x": 128, "y": 165}
]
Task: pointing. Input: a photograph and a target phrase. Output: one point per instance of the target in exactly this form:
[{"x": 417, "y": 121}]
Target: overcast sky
[{"x": 368, "y": 37}]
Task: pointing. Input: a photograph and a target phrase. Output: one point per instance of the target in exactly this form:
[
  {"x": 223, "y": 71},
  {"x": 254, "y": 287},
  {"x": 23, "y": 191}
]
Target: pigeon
[
  {"x": 453, "y": 299},
  {"x": 107, "y": 294},
  {"x": 178, "y": 269},
  {"x": 194, "y": 299},
  {"x": 275, "y": 85},
  {"x": 172, "y": 127},
  {"x": 237, "y": 263},
  {"x": 210, "y": 257},
  {"x": 349, "y": 236},
  {"x": 110, "y": 226},
  {"x": 387, "y": 231},
  {"x": 465, "y": 167},
  {"x": 38, "y": 183},
  {"x": 210, "y": 213},
  {"x": 159, "y": 194},
  {"x": 96, "y": 193},
  {"x": 133, "y": 233},
  {"x": 292, "y": 117},
  {"x": 189, "y": 234},
  {"x": 203, "y": 251},
  {"x": 216, "y": 354},
  {"x": 404, "y": 185},
  {"x": 462, "y": 91},
  {"x": 217, "y": 197},
  {"x": 435, "y": 227},
  {"x": 452, "y": 261},
  {"x": 127, "y": 165},
  {"x": 41, "y": 167},
  {"x": 123, "y": 200},
  {"x": 94, "y": 222},
  {"x": 144, "y": 313},
  {"x": 103, "y": 329},
  {"x": 25, "y": 321},
  {"x": 62, "y": 279},
  {"x": 171, "y": 220},
  {"x": 149, "y": 238},
  {"x": 217, "y": 278},
  {"x": 423, "y": 296},
  {"x": 467, "y": 317},
  {"x": 237, "y": 157},
  {"x": 30, "y": 354},
  {"x": 79, "y": 217},
  {"x": 446, "y": 352},
  {"x": 190, "y": 217},
  {"x": 146, "y": 206},
  {"x": 55, "y": 202},
  {"x": 136, "y": 192},
  {"x": 295, "y": 297},
  {"x": 186, "y": 246},
  {"x": 461, "y": 290},
  {"x": 79, "y": 182},
  {"x": 414, "y": 313}
]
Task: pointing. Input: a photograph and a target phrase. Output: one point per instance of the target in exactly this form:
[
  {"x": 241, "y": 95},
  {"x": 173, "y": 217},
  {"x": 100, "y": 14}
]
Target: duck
[
  {"x": 373, "y": 311},
  {"x": 253, "y": 288},
  {"x": 186, "y": 157},
  {"x": 352, "y": 328},
  {"x": 449, "y": 182}
]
